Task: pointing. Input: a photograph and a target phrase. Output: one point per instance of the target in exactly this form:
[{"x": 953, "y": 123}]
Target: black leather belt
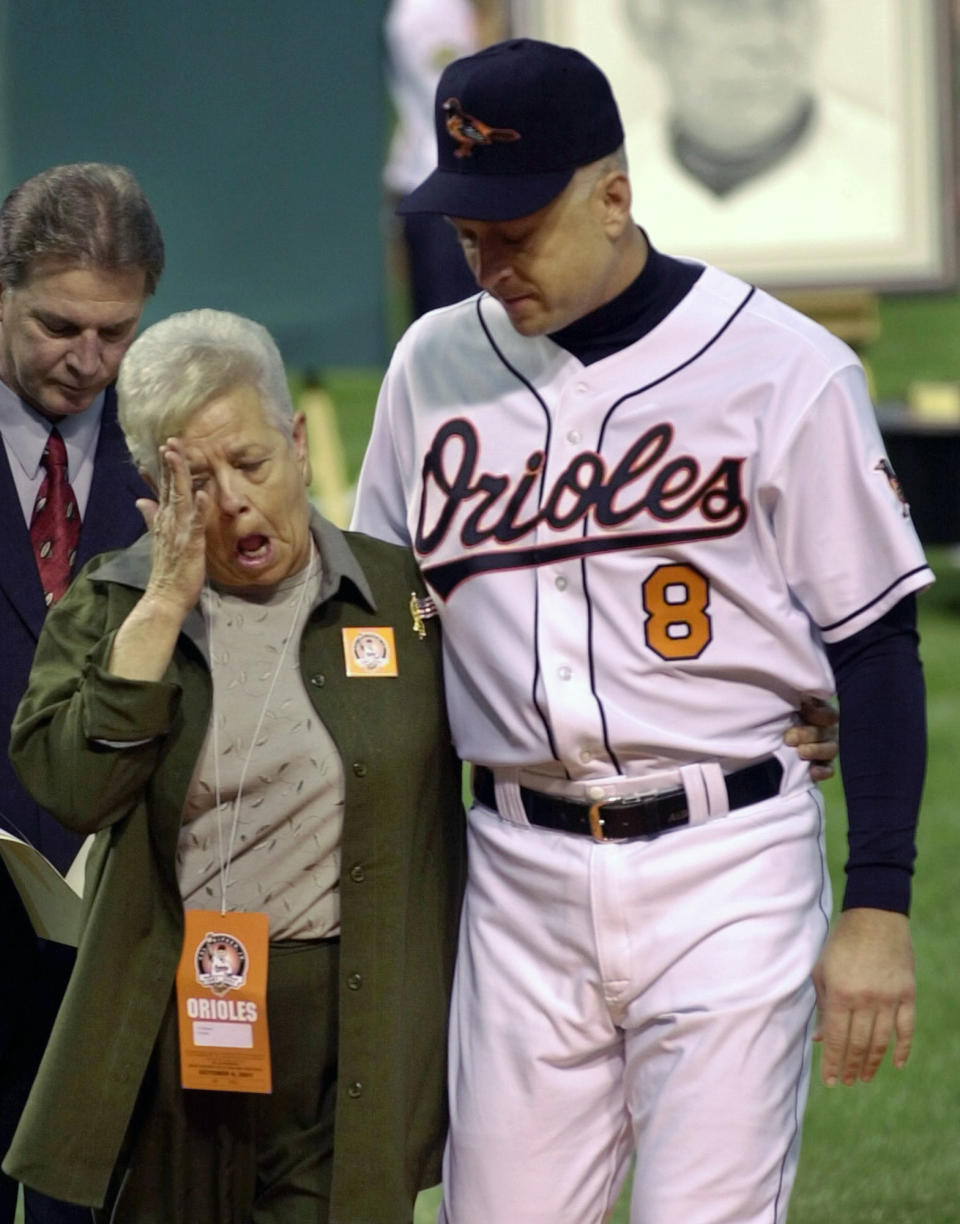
[{"x": 646, "y": 816}]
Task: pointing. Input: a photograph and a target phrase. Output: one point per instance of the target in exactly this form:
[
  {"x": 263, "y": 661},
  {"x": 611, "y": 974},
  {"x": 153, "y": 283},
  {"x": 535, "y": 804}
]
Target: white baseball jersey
[{"x": 637, "y": 562}]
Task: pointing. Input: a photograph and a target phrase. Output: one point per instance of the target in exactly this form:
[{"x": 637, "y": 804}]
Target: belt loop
[
  {"x": 706, "y": 791},
  {"x": 506, "y": 791}
]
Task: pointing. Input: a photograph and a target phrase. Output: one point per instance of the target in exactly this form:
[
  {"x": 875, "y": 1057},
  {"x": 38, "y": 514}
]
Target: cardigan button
[
  {"x": 357, "y": 874},
  {"x": 319, "y": 680},
  {"x": 355, "y": 1089},
  {"x": 354, "y": 981},
  {"x": 359, "y": 769}
]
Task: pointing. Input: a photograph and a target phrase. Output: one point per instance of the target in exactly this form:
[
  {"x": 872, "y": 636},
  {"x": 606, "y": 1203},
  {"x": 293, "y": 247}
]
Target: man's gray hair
[
  {"x": 89, "y": 213},
  {"x": 174, "y": 368},
  {"x": 587, "y": 177}
]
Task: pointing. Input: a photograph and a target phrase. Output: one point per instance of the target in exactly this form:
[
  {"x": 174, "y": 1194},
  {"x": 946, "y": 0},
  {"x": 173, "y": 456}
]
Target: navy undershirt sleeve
[{"x": 880, "y": 690}]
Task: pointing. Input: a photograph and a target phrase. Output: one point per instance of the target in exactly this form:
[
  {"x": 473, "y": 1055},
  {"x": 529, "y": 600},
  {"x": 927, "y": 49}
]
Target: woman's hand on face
[
  {"x": 177, "y": 524},
  {"x": 144, "y": 643}
]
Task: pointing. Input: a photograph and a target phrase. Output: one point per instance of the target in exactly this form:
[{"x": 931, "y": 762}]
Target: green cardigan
[{"x": 401, "y": 881}]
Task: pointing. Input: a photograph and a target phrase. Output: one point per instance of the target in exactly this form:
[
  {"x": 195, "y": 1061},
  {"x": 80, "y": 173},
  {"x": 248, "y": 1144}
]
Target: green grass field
[{"x": 889, "y": 1152}]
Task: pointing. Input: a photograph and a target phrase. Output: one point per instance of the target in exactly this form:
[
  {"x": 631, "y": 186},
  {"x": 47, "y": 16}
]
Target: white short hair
[{"x": 181, "y": 363}]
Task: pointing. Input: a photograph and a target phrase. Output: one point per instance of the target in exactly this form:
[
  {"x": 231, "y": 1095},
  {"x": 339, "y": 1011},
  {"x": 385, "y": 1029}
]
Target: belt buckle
[{"x": 596, "y": 822}]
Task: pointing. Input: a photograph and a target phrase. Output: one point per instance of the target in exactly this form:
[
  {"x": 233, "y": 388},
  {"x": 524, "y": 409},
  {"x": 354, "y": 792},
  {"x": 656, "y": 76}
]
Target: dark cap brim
[{"x": 485, "y": 197}]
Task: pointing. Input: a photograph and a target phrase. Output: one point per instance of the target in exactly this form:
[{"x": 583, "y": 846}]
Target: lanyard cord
[{"x": 226, "y": 860}]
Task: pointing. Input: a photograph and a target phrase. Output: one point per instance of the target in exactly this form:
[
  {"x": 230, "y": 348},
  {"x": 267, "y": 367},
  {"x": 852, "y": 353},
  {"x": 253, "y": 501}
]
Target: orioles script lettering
[{"x": 646, "y": 483}]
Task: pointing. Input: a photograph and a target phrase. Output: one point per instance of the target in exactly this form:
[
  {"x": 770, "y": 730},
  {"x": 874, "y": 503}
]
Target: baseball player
[{"x": 654, "y": 512}]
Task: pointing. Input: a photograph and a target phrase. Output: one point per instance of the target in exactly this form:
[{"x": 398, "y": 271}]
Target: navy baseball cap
[{"x": 514, "y": 122}]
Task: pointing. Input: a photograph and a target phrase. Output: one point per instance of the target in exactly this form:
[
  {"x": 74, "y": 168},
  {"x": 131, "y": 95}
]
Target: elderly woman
[{"x": 209, "y": 702}]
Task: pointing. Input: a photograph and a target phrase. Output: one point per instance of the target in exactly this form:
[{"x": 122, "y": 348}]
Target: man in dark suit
[{"x": 80, "y": 252}]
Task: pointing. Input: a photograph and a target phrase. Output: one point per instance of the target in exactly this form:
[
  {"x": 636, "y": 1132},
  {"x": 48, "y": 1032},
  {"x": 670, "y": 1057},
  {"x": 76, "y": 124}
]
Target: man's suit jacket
[
  {"x": 36, "y": 973},
  {"x": 111, "y": 520}
]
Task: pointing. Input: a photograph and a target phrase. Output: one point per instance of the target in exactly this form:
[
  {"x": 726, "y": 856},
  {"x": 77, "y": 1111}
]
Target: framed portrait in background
[{"x": 801, "y": 144}]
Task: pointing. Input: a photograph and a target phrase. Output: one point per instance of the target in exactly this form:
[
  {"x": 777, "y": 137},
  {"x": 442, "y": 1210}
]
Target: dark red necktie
[{"x": 55, "y": 526}]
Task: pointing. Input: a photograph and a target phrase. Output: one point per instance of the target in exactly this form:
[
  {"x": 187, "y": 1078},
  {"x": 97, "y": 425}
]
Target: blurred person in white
[{"x": 421, "y": 37}]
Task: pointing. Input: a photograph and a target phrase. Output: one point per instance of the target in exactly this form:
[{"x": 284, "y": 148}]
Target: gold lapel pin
[{"x": 419, "y": 627}]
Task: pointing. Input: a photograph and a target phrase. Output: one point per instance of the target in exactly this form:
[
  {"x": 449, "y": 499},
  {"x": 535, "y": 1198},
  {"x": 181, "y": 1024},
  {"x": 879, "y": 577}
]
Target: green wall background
[{"x": 257, "y": 131}]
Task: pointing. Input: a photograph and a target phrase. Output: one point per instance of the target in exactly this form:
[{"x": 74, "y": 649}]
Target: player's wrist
[{"x": 878, "y": 886}]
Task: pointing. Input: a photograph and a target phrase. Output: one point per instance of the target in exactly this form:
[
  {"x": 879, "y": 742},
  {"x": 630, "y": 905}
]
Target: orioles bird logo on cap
[{"x": 468, "y": 131}]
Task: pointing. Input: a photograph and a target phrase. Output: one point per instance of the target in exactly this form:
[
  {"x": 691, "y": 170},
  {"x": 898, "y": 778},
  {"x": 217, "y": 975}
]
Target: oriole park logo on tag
[{"x": 221, "y": 962}]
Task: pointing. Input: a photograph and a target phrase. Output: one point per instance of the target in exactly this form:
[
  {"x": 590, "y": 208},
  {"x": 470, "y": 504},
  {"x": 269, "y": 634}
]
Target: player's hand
[
  {"x": 176, "y": 522},
  {"x": 815, "y": 739},
  {"x": 865, "y": 994}
]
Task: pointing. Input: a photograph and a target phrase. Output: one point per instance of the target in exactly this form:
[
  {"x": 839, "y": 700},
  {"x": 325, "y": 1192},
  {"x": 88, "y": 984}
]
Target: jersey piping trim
[
  {"x": 547, "y": 729},
  {"x": 676, "y": 369},
  {"x": 509, "y": 365},
  {"x": 607, "y": 743},
  {"x": 877, "y": 599}
]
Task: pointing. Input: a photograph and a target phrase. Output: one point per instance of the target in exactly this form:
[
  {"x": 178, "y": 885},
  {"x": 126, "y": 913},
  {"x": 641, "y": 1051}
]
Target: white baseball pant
[{"x": 650, "y": 997}]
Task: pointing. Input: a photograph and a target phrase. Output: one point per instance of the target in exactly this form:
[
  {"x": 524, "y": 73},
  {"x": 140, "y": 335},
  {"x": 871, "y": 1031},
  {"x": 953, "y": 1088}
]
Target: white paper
[{"x": 51, "y": 900}]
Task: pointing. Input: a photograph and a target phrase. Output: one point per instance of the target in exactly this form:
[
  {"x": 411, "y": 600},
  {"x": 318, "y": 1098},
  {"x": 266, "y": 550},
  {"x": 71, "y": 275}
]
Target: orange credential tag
[
  {"x": 222, "y": 1002},
  {"x": 370, "y": 651}
]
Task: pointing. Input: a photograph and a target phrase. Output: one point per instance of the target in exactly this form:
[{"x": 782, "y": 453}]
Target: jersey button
[
  {"x": 586, "y": 756},
  {"x": 564, "y": 673},
  {"x": 561, "y": 583},
  {"x": 574, "y": 436}
]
